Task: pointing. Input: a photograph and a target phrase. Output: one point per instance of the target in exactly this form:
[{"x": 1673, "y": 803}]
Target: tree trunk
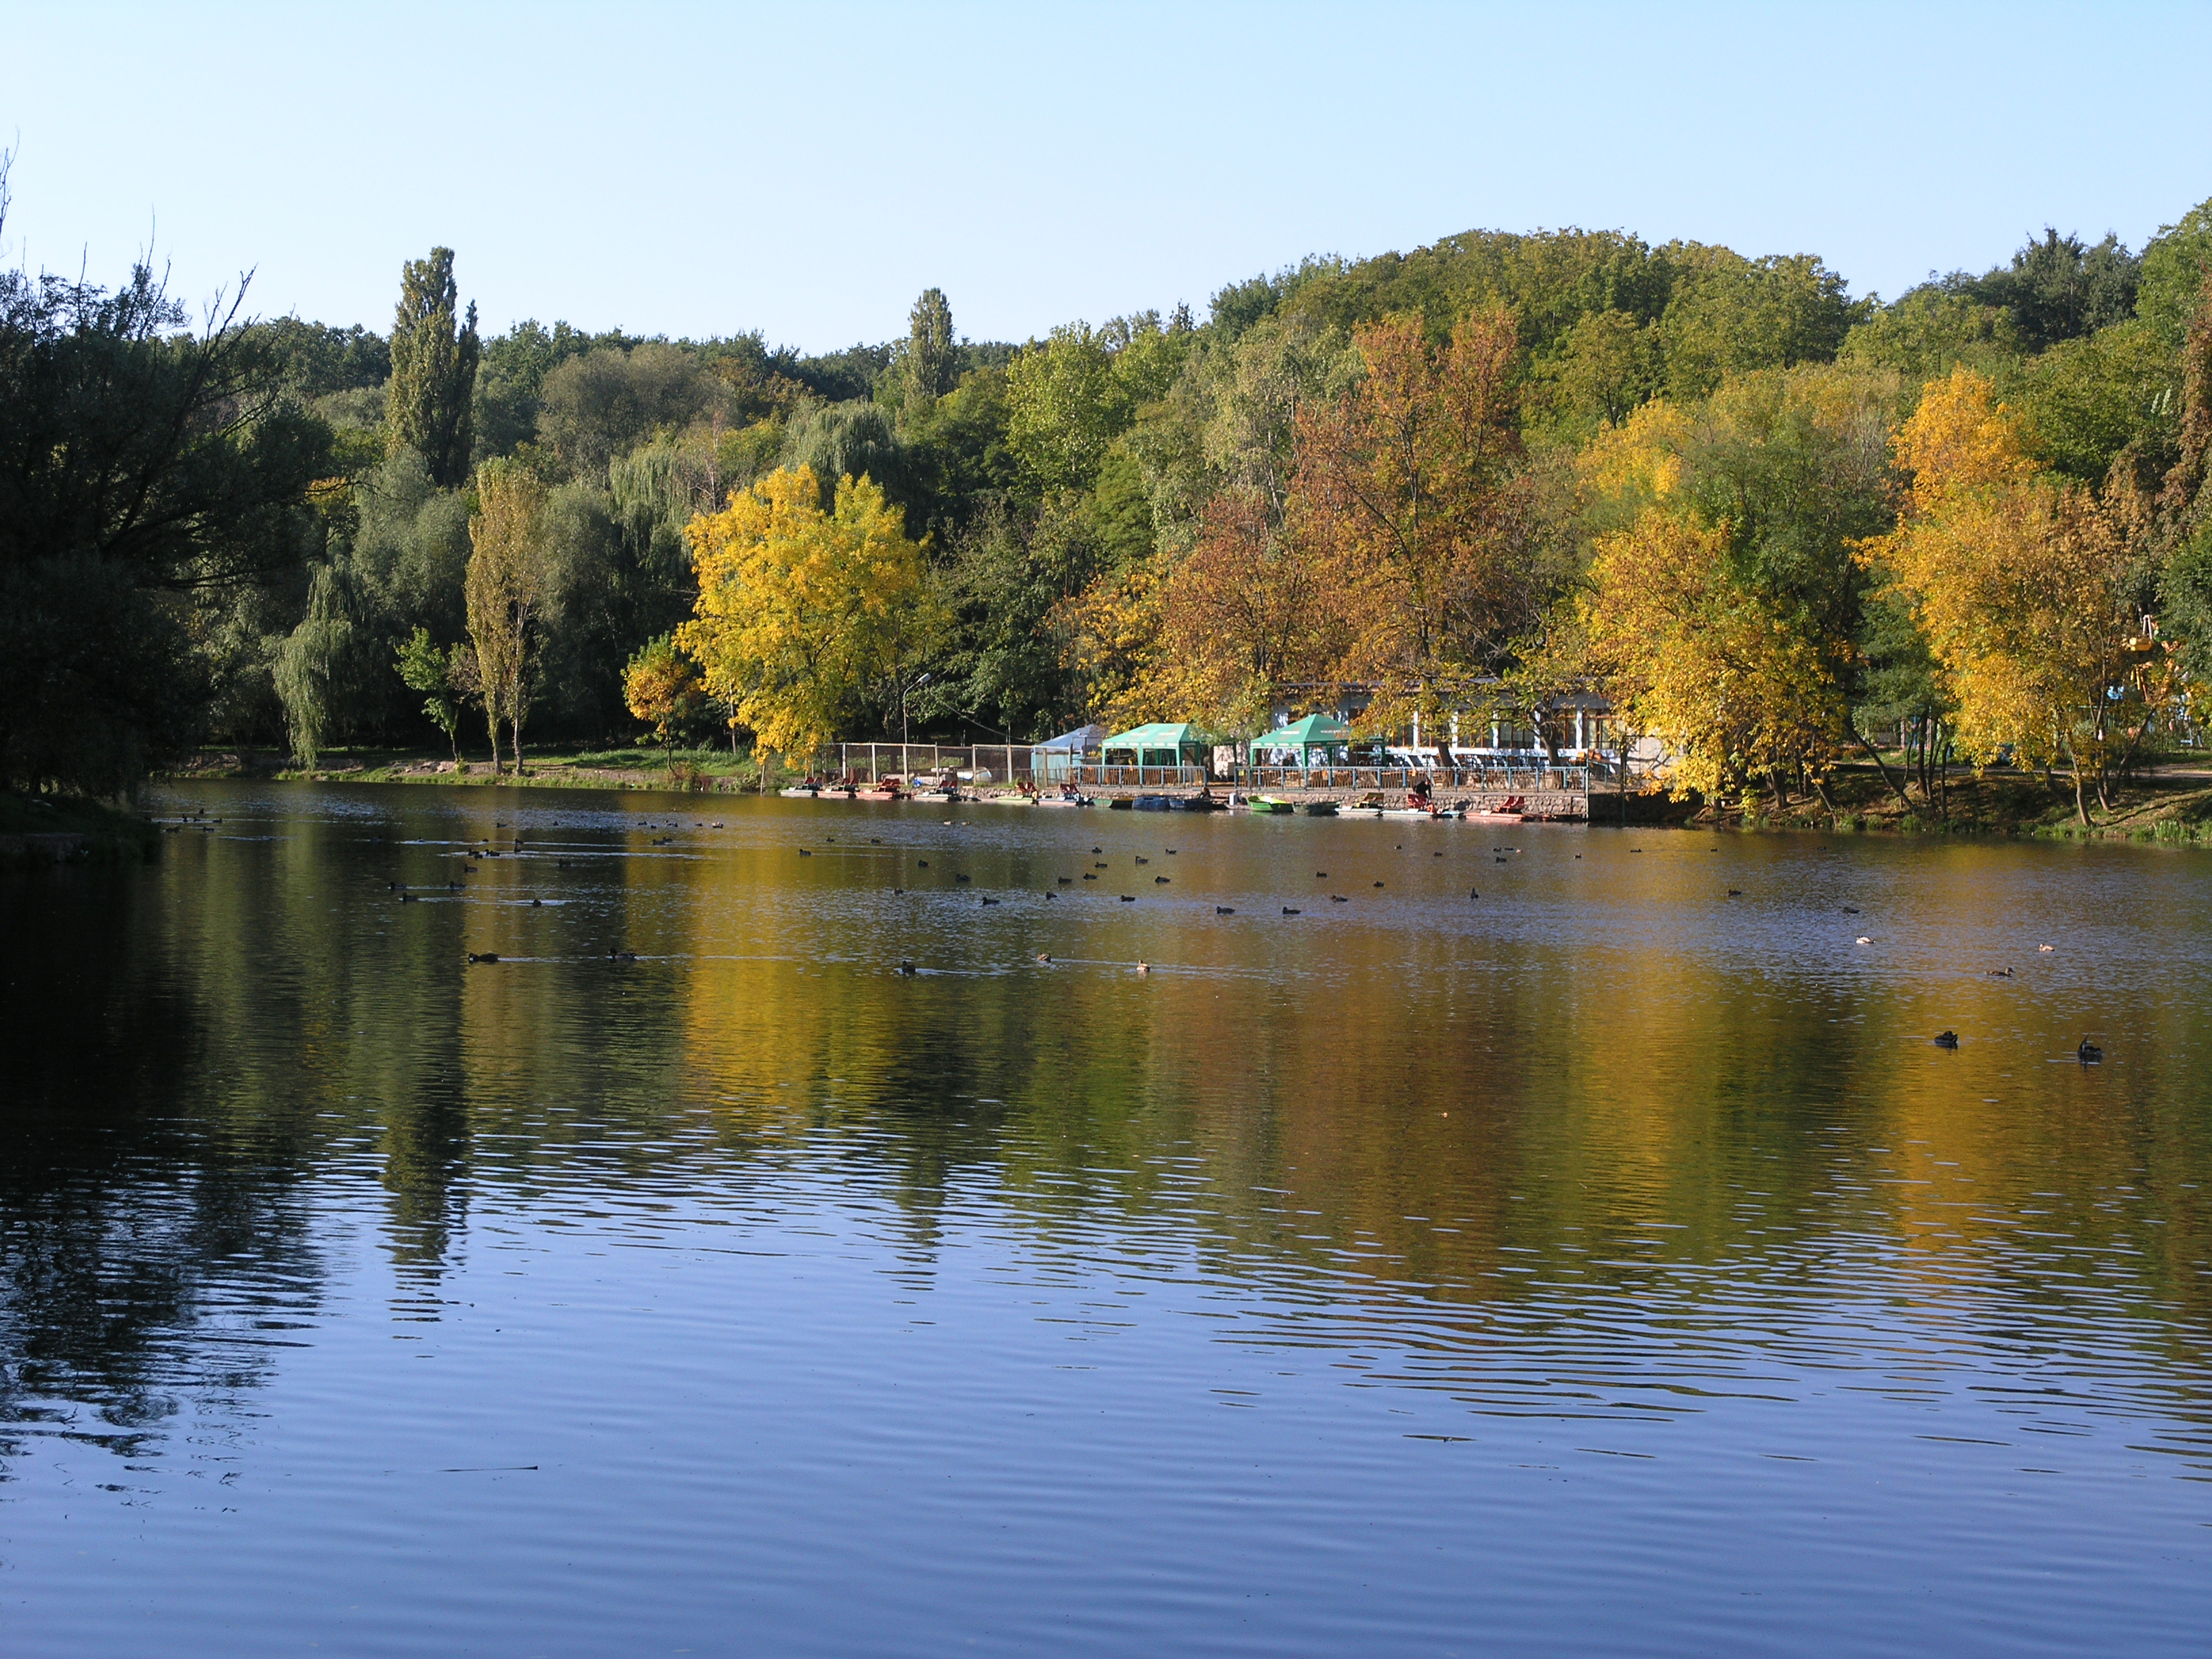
[{"x": 1880, "y": 765}]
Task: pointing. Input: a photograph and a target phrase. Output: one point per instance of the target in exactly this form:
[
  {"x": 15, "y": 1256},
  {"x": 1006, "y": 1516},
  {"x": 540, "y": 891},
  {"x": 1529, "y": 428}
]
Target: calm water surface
[{"x": 1602, "y": 1264}]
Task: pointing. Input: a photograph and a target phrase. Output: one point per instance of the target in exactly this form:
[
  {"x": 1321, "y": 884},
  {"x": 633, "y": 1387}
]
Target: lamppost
[{"x": 915, "y": 685}]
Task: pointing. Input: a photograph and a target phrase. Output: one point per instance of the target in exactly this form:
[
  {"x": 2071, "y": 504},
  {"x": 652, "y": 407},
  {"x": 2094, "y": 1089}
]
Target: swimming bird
[
  {"x": 898, "y": 892},
  {"x": 1087, "y": 876},
  {"x": 1735, "y": 892},
  {"x": 1171, "y": 852},
  {"x": 1321, "y": 875},
  {"x": 489, "y": 955},
  {"x": 1067, "y": 881},
  {"x": 1098, "y": 866},
  {"x": 1044, "y": 958},
  {"x": 1471, "y": 893},
  {"x": 537, "y": 904},
  {"x": 804, "y": 854},
  {"x": 621, "y": 955},
  {"x": 924, "y": 863},
  {"x": 906, "y": 967},
  {"x": 1947, "y": 1039},
  {"x": 1159, "y": 881},
  {"x": 990, "y": 901},
  {"x": 403, "y": 898},
  {"x": 1378, "y": 884},
  {"x": 1223, "y": 910},
  {"x": 1338, "y": 899},
  {"x": 1051, "y": 895},
  {"x": 1097, "y": 849},
  {"x": 1289, "y": 912},
  {"x": 959, "y": 877},
  {"x": 2088, "y": 1054},
  {"x": 1500, "y": 861},
  {"x": 2001, "y": 973},
  {"x": 1144, "y": 967},
  {"x": 1850, "y": 910},
  {"x": 2046, "y": 947},
  {"x": 1143, "y": 861},
  {"x": 1863, "y": 940},
  {"x": 1128, "y": 898}
]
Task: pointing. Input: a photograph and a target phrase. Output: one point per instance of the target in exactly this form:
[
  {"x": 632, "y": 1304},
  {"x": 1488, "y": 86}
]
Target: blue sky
[{"x": 807, "y": 171}]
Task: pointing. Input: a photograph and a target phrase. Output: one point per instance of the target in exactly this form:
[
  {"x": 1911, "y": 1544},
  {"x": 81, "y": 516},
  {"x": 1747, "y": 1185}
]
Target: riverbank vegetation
[{"x": 1781, "y": 530}]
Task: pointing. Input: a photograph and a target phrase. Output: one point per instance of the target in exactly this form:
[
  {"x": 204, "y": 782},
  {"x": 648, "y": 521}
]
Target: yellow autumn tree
[
  {"x": 661, "y": 688},
  {"x": 1688, "y": 655},
  {"x": 1733, "y": 681},
  {"x": 1111, "y": 631},
  {"x": 800, "y": 611},
  {"x": 2019, "y": 579}
]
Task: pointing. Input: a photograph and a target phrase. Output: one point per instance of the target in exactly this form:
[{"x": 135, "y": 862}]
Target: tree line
[{"x": 1775, "y": 525}]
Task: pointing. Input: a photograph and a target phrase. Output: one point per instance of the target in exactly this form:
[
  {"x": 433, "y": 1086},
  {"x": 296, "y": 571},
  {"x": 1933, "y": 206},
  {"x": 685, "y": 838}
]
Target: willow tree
[
  {"x": 801, "y": 611},
  {"x": 432, "y": 392},
  {"x": 509, "y": 590}
]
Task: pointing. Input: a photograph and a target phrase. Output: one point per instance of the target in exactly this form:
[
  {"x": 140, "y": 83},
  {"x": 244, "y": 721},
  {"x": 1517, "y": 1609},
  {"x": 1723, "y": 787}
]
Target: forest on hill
[{"x": 1774, "y": 525}]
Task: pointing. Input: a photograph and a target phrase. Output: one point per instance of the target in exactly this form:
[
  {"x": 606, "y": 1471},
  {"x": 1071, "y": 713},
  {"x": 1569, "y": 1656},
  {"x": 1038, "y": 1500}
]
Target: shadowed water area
[{"x": 1603, "y": 1263}]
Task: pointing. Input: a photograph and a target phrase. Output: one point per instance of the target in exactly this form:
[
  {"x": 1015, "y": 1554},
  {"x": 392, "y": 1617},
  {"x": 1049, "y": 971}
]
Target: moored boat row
[{"x": 943, "y": 789}]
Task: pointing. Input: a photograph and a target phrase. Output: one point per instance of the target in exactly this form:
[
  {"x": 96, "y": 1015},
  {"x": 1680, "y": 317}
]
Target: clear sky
[{"x": 696, "y": 169}]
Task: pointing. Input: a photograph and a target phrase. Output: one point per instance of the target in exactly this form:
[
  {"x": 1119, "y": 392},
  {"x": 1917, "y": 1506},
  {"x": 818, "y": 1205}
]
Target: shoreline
[{"x": 2172, "y": 809}]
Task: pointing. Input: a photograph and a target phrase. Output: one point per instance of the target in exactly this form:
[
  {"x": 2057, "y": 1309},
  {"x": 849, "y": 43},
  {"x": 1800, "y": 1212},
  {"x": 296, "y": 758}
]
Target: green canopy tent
[
  {"x": 1157, "y": 745},
  {"x": 1316, "y": 739}
]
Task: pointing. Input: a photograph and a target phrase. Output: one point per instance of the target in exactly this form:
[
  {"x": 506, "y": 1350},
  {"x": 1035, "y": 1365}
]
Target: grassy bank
[
  {"x": 2171, "y": 809},
  {"x": 701, "y": 770},
  {"x": 43, "y": 829}
]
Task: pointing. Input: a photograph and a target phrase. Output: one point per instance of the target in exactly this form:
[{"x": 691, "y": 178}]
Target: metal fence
[
  {"x": 1491, "y": 776},
  {"x": 869, "y": 762}
]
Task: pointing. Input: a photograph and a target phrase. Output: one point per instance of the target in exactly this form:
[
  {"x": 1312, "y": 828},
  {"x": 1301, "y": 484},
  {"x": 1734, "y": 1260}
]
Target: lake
[{"x": 1570, "y": 1241}]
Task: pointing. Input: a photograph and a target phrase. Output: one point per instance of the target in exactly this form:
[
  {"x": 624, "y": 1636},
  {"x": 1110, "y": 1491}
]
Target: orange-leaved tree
[
  {"x": 1242, "y": 617},
  {"x": 1408, "y": 501}
]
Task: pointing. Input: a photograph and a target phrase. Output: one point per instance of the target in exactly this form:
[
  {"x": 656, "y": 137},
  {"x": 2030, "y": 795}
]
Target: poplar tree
[
  {"x": 433, "y": 370},
  {"x": 932, "y": 364}
]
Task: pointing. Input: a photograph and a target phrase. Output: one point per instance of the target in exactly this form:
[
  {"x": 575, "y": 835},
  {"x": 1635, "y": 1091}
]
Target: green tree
[
  {"x": 147, "y": 476},
  {"x": 425, "y": 668},
  {"x": 509, "y": 588},
  {"x": 2175, "y": 264},
  {"x": 430, "y": 402}
]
